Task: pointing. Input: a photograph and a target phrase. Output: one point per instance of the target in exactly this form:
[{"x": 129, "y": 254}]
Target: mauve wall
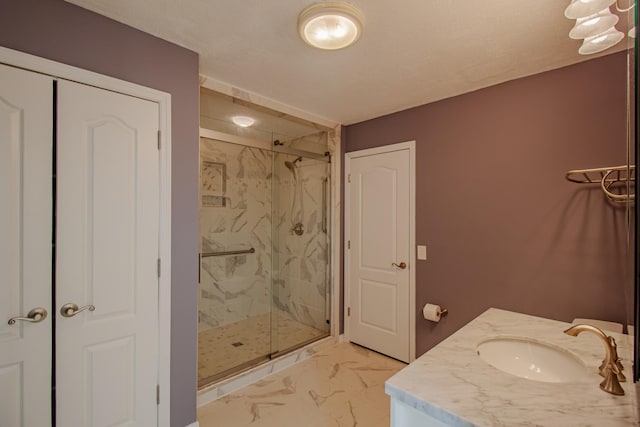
[
  {"x": 503, "y": 228},
  {"x": 66, "y": 33}
]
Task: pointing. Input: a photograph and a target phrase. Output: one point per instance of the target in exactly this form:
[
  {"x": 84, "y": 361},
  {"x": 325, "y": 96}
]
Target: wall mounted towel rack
[{"x": 608, "y": 178}]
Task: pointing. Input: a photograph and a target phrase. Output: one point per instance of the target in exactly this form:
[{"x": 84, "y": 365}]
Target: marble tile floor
[
  {"x": 228, "y": 346},
  {"x": 342, "y": 385}
]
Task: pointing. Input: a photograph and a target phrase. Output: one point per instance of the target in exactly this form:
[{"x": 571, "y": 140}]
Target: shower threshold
[
  {"x": 257, "y": 362},
  {"x": 279, "y": 361}
]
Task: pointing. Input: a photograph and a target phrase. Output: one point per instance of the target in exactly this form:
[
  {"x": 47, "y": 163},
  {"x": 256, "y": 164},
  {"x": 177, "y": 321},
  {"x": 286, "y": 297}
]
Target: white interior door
[
  {"x": 379, "y": 265},
  {"x": 107, "y": 252},
  {"x": 25, "y": 246}
]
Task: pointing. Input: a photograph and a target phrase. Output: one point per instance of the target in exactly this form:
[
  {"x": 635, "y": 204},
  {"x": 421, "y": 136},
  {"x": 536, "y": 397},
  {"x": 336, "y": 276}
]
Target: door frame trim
[
  {"x": 67, "y": 72},
  {"x": 411, "y": 146}
]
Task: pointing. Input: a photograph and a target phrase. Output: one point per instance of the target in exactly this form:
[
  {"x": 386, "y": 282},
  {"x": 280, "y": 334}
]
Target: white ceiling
[{"x": 412, "y": 52}]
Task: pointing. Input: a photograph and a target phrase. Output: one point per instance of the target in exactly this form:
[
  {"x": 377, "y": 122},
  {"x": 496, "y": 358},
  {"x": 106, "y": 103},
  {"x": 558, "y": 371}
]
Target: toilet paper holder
[{"x": 434, "y": 312}]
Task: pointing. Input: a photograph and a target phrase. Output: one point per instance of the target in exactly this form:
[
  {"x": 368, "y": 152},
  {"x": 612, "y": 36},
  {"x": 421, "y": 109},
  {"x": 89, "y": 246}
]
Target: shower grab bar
[{"x": 223, "y": 253}]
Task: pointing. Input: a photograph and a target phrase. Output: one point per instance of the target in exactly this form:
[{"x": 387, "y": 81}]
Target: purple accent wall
[
  {"x": 63, "y": 32},
  {"x": 502, "y": 226}
]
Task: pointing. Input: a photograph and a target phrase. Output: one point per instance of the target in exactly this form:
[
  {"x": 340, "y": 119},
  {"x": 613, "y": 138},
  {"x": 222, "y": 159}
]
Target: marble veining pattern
[
  {"x": 301, "y": 276},
  {"x": 227, "y": 346},
  {"x": 341, "y": 385},
  {"x": 451, "y": 383},
  {"x": 237, "y": 287}
]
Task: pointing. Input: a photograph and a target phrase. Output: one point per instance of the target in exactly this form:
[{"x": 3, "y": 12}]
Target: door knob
[
  {"x": 401, "y": 266},
  {"x": 71, "y": 309},
  {"x": 34, "y": 316}
]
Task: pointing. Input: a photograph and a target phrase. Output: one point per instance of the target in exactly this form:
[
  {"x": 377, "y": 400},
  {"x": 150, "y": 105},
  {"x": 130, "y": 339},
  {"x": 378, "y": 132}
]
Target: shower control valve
[{"x": 298, "y": 229}]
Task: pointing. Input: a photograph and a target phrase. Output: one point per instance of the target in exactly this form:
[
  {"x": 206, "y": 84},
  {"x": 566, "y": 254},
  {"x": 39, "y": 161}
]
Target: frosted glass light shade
[
  {"x": 243, "y": 121},
  {"x": 600, "y": 42},
  {"x": 583, "y": 8},
  {"x": 593, "y": 25},
  {"x": 330, "y": 25}
]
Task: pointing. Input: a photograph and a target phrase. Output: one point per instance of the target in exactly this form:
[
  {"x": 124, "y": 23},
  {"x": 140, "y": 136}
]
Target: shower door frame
[{"x": 334, "y": 292}]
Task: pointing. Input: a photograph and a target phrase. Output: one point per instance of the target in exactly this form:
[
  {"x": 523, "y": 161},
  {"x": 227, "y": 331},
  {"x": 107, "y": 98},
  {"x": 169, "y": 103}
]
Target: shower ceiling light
[
  {"x": 583, "y": 8},
  {"x": 243, "y": 121},
  {"x": 330, "y": 25},
  {"x": 593, "y": 25}
]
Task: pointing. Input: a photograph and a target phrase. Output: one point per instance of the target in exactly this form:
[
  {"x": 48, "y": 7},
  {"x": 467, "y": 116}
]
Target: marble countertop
[{"x": 452, "y": 384}]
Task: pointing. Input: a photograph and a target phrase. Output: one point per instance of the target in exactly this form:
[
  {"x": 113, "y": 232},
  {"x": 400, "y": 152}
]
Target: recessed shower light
[
  {"x": 243, "y": 121},
  {"x": 330, "y": 25}
]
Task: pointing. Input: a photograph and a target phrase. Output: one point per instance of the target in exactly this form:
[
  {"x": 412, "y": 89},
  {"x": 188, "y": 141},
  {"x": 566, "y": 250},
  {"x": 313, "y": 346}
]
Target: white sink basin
[{"x": 532, "y": 360}]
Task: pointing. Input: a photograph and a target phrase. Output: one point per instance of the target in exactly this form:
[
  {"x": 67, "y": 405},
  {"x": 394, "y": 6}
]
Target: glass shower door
[
  {"x": 300, "y": 312},
  {"x": 234, "y": 312}
]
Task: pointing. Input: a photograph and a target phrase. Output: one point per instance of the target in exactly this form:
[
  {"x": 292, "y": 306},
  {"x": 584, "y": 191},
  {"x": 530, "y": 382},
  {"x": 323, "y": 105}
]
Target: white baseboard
[{"x": 196, "y": 424}]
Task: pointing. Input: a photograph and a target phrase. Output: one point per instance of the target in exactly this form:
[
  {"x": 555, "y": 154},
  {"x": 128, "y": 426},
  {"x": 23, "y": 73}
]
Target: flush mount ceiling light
[
  {"x": 243, "y": 121},
  {"x": 593, "y": 25},
  {"x": 330, "y": 25},
  {"x": 596, "y": 24},
  {"x": 600, "y": 42},
  {"x": 583, "y": 8}
]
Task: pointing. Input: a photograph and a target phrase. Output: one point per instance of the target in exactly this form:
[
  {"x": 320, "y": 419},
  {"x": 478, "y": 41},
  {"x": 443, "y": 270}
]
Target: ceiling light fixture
[
  {"x": 243, "y": 121},
  {"x": 595, "y": 24},
  {"x": 600, "y": 42},
  {"x": 583, "y": 8},
  {"x": 330, "y": 25}
]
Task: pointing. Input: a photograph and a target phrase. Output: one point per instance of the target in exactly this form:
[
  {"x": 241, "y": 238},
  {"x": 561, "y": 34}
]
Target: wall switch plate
[{"x": 422, "y": 252}]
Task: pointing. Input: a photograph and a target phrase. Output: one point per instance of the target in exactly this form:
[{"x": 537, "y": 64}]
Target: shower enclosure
[{"x": 264, "y": 254}]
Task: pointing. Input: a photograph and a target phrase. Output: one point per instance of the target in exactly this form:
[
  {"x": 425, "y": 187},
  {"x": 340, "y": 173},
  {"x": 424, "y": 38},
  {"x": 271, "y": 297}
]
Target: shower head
[{"x": 291, "y": 165}]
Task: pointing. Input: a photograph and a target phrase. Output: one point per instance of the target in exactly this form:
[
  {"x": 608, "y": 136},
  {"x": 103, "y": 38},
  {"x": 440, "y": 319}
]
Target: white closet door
[
  {"x": 25, "y": 246},
  {"x": 107, "y": 251}
]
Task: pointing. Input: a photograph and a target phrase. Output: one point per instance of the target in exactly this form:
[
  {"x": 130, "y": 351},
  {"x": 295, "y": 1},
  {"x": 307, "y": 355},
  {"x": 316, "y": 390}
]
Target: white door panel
[
  {"x": 107, "y": 250},
  {"x": 25, "y": 246},
  {"x": 379, "y": 228}
]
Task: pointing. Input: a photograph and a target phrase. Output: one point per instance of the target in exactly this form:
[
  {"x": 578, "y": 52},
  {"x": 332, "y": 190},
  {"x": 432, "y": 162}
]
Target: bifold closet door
[
  {"x": 26, "y": 130},
  {"x": 106, "y": 258}
]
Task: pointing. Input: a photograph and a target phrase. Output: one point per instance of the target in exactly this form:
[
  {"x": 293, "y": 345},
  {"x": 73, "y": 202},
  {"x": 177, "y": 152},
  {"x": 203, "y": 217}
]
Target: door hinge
[
  {"x": 159, "y": 266},
  {"x": 158, "y": 394},
  {"x": 348, "y": 244},
  {"x": 349, "y": 178},
  {"x": 348, "y": 311},
  {"x": 159, "y": 138}
]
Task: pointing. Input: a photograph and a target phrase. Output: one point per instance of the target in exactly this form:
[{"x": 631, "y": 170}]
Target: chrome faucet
[{"x": 611, "y": 368}]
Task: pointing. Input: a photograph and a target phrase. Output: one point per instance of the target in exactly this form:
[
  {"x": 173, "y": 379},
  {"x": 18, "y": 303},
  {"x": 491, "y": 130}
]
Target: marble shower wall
[
  {"x": 235, "y": 213},
  {"x": 301, "y": 262}
]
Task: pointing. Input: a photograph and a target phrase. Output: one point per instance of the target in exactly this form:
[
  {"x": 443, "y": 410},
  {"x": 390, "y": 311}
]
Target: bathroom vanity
[{"x": 553, "y": 379}]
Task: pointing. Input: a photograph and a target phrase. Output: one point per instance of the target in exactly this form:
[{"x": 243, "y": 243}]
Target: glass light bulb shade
[
  {"x": 593, "y": 25},
  {"x": 330, "y": 25},
  {"x": 600, "y": 42},
  {"x": 583, "y": 8},
  {"x": 243, "y": 121}
]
